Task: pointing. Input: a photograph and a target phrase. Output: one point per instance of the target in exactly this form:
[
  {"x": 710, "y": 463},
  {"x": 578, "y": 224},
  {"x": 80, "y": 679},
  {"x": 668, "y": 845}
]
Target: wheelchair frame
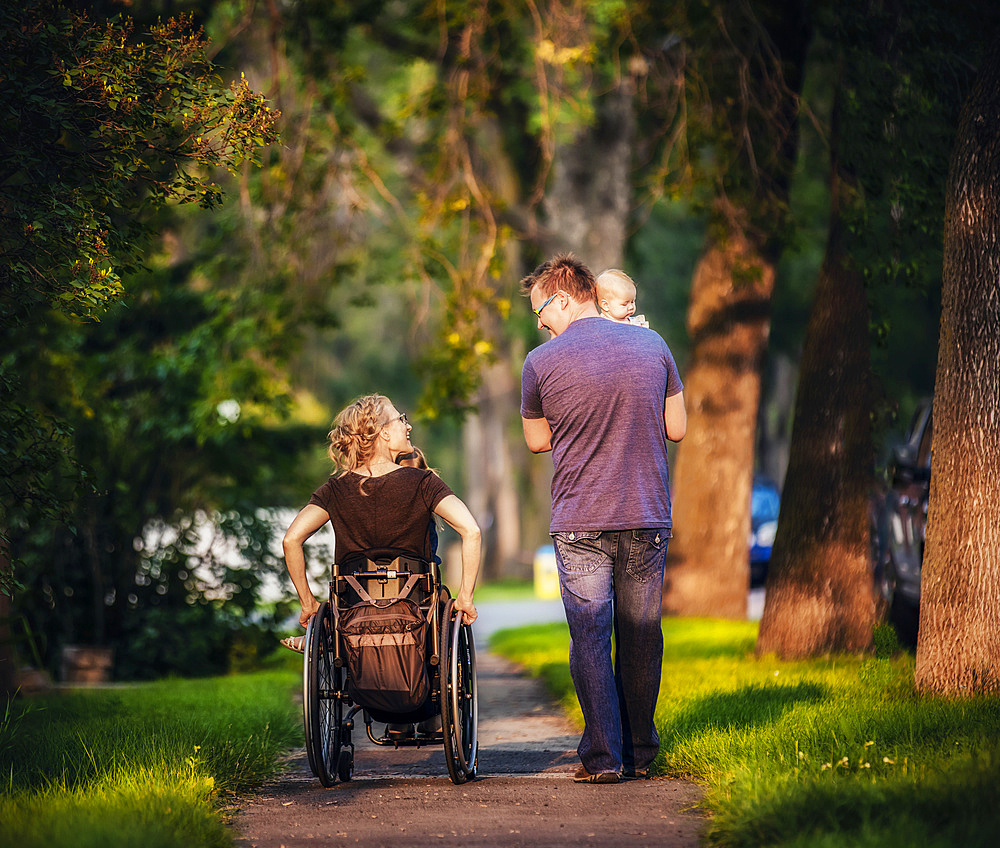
[{"x": 328, "y": 710}]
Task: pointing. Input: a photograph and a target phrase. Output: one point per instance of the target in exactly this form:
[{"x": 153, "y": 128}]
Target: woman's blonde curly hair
[{"x": 355, "y": 431}]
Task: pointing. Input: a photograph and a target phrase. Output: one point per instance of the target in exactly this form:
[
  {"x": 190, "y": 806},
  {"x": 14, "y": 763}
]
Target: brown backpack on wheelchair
[{"x": 386, "y": 648}]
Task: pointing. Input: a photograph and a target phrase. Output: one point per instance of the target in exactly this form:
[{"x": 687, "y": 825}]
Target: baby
[{"x": 616, "y": 298}]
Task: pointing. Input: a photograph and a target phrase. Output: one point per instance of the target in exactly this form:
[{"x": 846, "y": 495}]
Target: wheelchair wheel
[
  {"x": 459, "y": 701},
  {"x": 323, "y": 708},
  {"x": 306, "y": 692},
  {"x": 345, "y": 765}
]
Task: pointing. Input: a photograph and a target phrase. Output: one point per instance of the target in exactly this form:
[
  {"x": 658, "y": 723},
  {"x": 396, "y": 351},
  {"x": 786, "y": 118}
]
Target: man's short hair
[{"x": 563, "y": 272}]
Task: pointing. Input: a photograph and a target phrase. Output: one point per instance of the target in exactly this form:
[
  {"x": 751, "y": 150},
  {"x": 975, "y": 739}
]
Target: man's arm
[
  {"x": 675, "y": 417},
  {"x": 537, "y": 434}
]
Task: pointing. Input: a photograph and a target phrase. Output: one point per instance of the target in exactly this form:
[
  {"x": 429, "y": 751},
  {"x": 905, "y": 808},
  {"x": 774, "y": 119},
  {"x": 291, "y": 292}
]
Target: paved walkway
[{"x": 524, "y": 795}]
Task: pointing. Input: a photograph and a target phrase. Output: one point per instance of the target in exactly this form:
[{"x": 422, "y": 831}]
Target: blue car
[{"x": 765, "y": 501}]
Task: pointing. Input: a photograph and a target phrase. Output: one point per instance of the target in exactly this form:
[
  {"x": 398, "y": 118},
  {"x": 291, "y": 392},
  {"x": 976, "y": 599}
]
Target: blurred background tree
[
  {"x": 740, "y": 68},
  {"x": 471, "y": 135}
]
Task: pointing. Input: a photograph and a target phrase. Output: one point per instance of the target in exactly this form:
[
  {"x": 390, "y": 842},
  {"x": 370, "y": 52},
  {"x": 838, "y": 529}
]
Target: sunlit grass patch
[
  {"x": 141, "y": 765},
  {"x": 152, "y": 807},
  {"x": 236, "y": 725},
  {"x": 834, "y": 751}
]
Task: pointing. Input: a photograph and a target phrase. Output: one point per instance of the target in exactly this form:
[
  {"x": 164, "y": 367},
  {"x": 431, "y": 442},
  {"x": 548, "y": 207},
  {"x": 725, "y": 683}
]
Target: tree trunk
[
  {"x": 819, "y": 595},
  {"x": 708, "y": 570},
  {"x": 588, "y": 202},
  {"x": 586, "y": 210},
  {"x": 774, "y": 418},
  {"x": 708, "y": 560},
  {"x": 958, "y": 649},
  {"x": 490, "y": 474}
]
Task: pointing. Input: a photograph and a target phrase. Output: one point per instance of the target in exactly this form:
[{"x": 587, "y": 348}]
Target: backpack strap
[{"x": 381, "y": 602}]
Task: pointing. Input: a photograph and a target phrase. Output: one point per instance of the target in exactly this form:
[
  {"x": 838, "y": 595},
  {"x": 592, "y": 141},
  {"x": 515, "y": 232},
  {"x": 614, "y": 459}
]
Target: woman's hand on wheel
[
  {"x": 468, "y": 609},
  {"x": 308, "y": 613}
]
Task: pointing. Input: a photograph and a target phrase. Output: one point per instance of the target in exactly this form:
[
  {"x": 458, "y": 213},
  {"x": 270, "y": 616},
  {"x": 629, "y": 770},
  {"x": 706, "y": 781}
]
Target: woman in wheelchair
[
  {"x": 373, "y": 502},
  {"x": 393, "y": 670}
]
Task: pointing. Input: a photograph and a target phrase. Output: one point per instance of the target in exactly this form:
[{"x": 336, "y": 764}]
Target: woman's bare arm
[
  {"x": 307, "y": 522},
  {"x": 453, "y": 510}
]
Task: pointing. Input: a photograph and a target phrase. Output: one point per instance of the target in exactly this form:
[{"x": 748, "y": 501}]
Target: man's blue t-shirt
[{"x": 601, "y": 386}]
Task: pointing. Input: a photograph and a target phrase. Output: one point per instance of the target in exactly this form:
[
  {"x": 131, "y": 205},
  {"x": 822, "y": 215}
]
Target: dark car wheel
[{"x": 905, "y": 617}]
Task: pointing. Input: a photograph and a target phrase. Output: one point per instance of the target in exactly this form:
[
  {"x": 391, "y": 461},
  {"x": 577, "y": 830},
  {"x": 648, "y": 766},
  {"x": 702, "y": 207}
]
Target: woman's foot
[
  {"x": 399, "y": 732},
  {"x": 430, "y": 728},
  {"x": 295, "y": 643}
]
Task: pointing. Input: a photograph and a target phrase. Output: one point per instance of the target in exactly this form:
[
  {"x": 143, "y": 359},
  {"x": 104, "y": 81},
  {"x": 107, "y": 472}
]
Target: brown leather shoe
[{"x": 584, "y": 776}]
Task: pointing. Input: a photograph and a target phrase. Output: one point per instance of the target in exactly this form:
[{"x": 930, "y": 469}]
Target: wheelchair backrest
[{"x": 384, "y": 573}]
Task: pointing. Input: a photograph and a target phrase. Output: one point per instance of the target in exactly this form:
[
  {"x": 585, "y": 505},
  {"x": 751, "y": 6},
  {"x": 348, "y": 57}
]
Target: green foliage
[
  {"x": 445, "y": 120},
  {"x": 661, "y": 259},
  {"x": 720, "y": 122},
  {"x": 100, "y": 126},
  {"x": 172, "y": 406},
  {"x": 147, "y": 765},
  {"x": 834, "y": 751},
  {"x": 902, "y": 77},
  {"x": 164, "y": 417},
  {"x": 886, "y": 641}
]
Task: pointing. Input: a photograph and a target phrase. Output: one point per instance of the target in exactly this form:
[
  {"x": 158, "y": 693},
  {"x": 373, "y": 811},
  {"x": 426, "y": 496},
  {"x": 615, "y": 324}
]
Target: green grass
[
  {"x": 830, "y": 752},
  {"x": 505, "y": 590},
  {"x": 151, "y": 764}
]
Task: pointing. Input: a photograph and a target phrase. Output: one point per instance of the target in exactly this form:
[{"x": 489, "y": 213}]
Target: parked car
[
  {"x": 765, "y": 501},
  {"x": 900, "y": 524}
]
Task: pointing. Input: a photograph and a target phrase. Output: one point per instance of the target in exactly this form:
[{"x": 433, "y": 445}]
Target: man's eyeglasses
[{"x": 548, "y": 300}]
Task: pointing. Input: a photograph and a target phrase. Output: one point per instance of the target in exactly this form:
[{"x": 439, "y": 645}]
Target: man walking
[{"x": 605, "y": 397}]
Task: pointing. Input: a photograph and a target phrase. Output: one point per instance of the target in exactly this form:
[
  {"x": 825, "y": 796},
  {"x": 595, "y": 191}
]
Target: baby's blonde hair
[
  {"x": 417, "y": 458},
  {"x": 355, "y": 431},
  {"x": 611, "y": 281}
]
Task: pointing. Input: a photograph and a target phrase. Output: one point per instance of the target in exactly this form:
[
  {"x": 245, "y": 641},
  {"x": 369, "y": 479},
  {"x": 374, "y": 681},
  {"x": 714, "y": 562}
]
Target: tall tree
[
  {"x": 746, "y": 69},
  {"x": 587, "y": 113},
  {"x": 819, "y": 589},
  {"x": 958, "y": 650},
  {"x": 897, "y": 94}
]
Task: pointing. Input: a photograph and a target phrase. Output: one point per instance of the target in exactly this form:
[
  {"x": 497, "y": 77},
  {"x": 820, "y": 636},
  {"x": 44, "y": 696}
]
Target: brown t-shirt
[{"x": 391, "y": 511}]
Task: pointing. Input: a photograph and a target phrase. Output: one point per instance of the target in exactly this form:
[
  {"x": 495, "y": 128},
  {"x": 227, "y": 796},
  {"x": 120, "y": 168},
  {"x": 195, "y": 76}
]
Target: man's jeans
[{"x": 612, "y": 581}]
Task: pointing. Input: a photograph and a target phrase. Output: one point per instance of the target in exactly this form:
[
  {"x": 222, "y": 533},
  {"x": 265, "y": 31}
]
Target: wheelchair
[{"x": 390, "y": 645}]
